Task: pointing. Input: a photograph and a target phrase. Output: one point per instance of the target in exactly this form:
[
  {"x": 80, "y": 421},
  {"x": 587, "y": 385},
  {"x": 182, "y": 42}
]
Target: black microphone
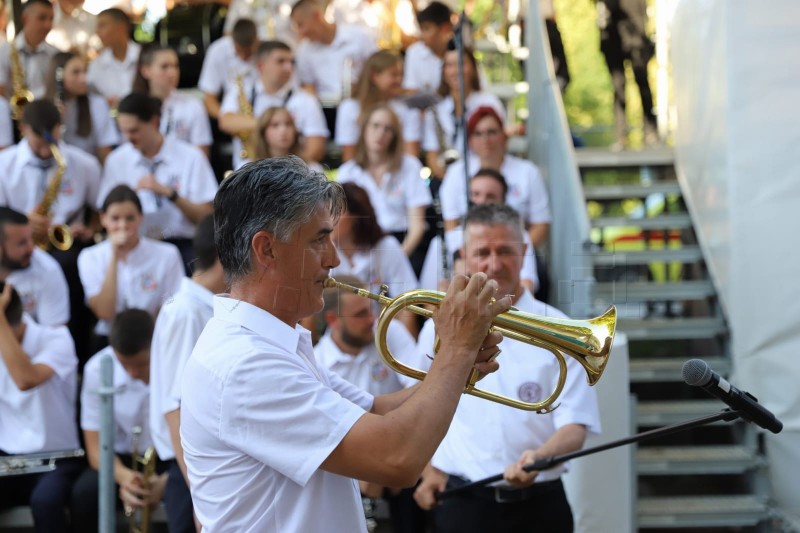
[{"x": 697, "y": 373}]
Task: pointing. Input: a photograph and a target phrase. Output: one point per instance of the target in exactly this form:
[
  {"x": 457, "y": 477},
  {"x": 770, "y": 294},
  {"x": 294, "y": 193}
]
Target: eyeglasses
[{"x": 490, "y": 133}]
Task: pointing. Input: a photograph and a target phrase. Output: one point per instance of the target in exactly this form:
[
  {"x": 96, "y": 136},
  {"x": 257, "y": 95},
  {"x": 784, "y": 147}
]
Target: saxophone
[
  {"x": 245, "y": 108},
  {"x": 21, "y": 95},
  {"x": 58, "y": 235}
]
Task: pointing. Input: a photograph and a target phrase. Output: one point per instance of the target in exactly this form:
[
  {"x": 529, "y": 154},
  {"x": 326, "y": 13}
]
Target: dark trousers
[
  {"x": 178, "y": 501},
  {"x": 542, "y": 507},
  {"x": 47, "y": 494}
]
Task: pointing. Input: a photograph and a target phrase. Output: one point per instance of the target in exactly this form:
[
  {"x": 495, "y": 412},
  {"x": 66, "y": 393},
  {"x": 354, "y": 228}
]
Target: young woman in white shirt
[
  {"x": 390, "y": 177},
  {"x": 87, "y": 120},
  {"x": 380, "y": 82},
  {"x": 276, "y": 135},
  {"x": 182, "y": 115}
]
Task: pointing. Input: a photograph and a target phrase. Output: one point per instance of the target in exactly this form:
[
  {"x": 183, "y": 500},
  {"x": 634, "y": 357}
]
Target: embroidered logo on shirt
[
  {"x": 530, "y": 392},
  {"x": 379, "y": 372},
  {"x": 66, "y": 187},
  {"x": 149, "y": 283},
  {"x": 28, "y": 301}
]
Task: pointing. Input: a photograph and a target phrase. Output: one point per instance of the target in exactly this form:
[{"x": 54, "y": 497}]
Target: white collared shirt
[
  {"x": 221, "y": 65},
  {"x": 6, "y": 125},
  {"x": 131, "y": 404},
  {"x": 179, "y": 166},
  {"x": 258, "y": 418},
  {"x": 75, "y": 30},
  {"x": 305, "y": 110},
  {"x": 325, "y": 66},
  {"x": 179, "y": 324},
  {"x": 43, "y": 289},
  {"x": 184, "y": 116},
  {"x": 366, "y": 370},
  {"x": 41, "y": 419},
  {"x": 272, "y": 18},
  {"x": 149, "y": 275},
  {"x": 484, "y": 436},
  {"x": 111, "y": 78},
  {"x": 422, "y": 68},
  {"x": 385, "y": 263},
  {"x": 444, "y": 110},
  {"x": 398, "y": 191},
  {"x": 26, "y": 178},
  {"x": 104, "y": 132},
  {"x": 348, "y": 131},
  {"x": 35, "y": 63}
]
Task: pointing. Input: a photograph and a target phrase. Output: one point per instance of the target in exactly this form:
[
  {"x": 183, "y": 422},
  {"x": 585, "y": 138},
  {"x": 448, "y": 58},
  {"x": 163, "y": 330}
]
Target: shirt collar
[
  {"x": 197, "y": 291},
  {"x": 22, "y": 45},
  {"x": 258, "y": 321},
  {"x": 334, "y": 354}
]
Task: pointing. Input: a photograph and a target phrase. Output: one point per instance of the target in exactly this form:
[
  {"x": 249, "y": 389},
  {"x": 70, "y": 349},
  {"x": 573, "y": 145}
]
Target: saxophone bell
[
  {"x": 58, "y": 236},
  {"x": 21, "y": 95}
]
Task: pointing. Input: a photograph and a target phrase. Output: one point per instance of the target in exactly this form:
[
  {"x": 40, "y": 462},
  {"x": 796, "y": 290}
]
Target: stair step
[
  {"x": 621, "y": 192},
  {"x": 635, "y": 291},
  {"x": 669, "y": 369},
  {"x": 691, "y": 460},
  {"x": 684, "y": 254},
  {"x": 666, "y": 412},
  {"x": 671, "y": 221},
  {"x": 671, "y": 328},
  {"x": 701, "y": 511},
  {"x": 593, "y": 158}
]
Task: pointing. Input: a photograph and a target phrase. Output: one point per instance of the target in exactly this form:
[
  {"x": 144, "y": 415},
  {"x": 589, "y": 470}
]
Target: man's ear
[{"x": 263, "y": 248}]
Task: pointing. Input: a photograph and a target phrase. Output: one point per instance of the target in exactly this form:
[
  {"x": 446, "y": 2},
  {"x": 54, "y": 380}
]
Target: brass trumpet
[{"x": 587, "y": 341}]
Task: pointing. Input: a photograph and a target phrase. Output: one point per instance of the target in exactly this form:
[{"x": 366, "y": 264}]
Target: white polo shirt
[
  {"x": 131, "y": 403},
  {"x": 323, "y": 65},
  {"x": 527, "y": 192},
  {"x": 367, "y": 371},
  {"x": 75, "y": 30},
  {"x": 221, "y": 66},
  {"x": 149, "y": 275},
  {"x": 258, "y": 418},
  {"x": 104, "y": 132},
  {"x": 444, "y": 110},
  {"x": 6, "y": 125},
  {"x": 179, "y": 166},
  {"x": 111, "y": 78},
  {"x": 305, "y": 110},
  {"x": 34, "y": 61},
  {"x": 179, "y": 324},
  {"x": 385, "y": 263},
  {"x": 348, "y": 131},
  {"x": 398, "y": 191},
  {"x": 423, "y": 68},
  {"x": 485, "y": 437},
  {"x": 41, "y": 419},
  {"x": 184, "y": 116},
  {"x": 43, "y": 289},
  {"x": 26, "y": 177}
]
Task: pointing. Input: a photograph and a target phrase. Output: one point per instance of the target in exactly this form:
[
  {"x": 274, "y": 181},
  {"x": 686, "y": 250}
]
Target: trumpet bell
[{"x": 60, "y": 237}]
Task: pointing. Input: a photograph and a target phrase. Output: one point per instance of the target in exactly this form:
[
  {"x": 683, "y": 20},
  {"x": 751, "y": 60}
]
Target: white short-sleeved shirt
[
  {"x": 74, "y": 31},
  {"x": 325, "y": 65},
  {"x": 111, "y": 78},
  {"x": 149, "y": 275},
  {"x": 272, "y": 18},
  {"x": 385, "y": 263},
  {"x": 444, "y": 110},
  {"x": 179, "y": 166},
  {"x": 423, "y": 68},
  {"x": 131, "y": 404},
  {"x": 258, "y": 417},
  {"x": 221, "y": 65},
  {"x": 367, "y": 371},
  {"x": 184, "y": 116},
  {"x": 305, "y": 110},
  {"x": 398, "y": 191},
  {"x": 104, "y": 132},
  {"x": 43, "y": 289},
  {"x": 34, "y": 62},
  {"x": 348, "y": 131},
  {"x": 26, "y": 177},
  {"x": 497, "y": 435},
  {"x": 43, "y": 418},
  {"x": 527, "y": 192},
  {"x": 178, "y": 326},
  {"x": 6, "y": 125}
]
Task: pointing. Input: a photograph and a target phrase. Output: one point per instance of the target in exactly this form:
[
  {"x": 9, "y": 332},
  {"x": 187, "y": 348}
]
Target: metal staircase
[{"x": 646, "y": 261}]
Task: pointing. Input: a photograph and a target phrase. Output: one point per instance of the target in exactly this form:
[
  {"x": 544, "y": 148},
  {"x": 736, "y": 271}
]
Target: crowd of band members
[{"x": 137, "y": 195}]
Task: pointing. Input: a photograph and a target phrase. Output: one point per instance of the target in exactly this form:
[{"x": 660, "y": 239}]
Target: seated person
[
  {"x": 276, "y": 136},
  {"x": 112, "y": 73},
  {"x": 423, "y": 66},
  {"x": 130, "y": 336},
  {"x": 38, "y": 381}
]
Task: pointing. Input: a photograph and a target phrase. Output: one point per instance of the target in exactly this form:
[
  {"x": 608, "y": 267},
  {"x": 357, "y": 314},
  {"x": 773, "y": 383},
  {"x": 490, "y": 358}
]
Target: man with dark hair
[
  {"x": 272, "y": 440},
  {"x": 174, "y": 180},
  {"x": 38, "y": 375},
  {"x": 111, "y": 74},
  {"x": 34, "y": 53},
  {"x": 275, "y": 88},
  {"x": 423, "y": 61},
  {"x": 179, "y": 324},
  {"x": 129, "y": 339}
]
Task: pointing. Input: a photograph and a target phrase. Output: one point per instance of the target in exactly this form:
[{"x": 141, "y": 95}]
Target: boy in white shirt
[
  {"x": 34, "y": 52},
  {"x": 423, "y": 61},
  {"x": 111, "y": 74}
]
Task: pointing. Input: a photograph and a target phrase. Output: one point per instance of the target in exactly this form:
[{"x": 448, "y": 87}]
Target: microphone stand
[{"x": 545, "y": 463}]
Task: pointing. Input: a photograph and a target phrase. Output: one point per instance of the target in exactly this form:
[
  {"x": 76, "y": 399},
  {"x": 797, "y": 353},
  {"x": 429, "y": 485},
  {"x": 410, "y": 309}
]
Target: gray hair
[
  {"x": 494, "y": 214},
  {"x": 277, "y": 195}
]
